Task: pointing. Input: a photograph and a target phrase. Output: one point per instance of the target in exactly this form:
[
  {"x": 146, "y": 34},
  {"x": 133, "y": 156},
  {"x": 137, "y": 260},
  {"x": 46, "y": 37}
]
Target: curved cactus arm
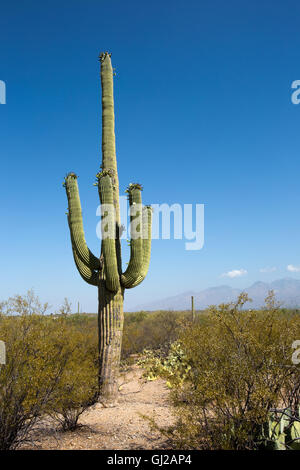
[
  {"x": 91, "y": 277},
  {"x": 76, "y": 225},
  {"x": 112, "y": 280},
  {"x": 133, "y": 271},
  {"x": 88, "y": 275},
  {"x": 147, "y": 228}
]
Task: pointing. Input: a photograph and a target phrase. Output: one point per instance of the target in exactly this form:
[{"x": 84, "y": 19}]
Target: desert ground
[{"x": 121, "y": 427}]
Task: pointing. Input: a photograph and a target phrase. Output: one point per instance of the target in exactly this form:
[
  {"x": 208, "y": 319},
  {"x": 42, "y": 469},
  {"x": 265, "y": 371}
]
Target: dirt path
[{"x": 120, "y": 427}]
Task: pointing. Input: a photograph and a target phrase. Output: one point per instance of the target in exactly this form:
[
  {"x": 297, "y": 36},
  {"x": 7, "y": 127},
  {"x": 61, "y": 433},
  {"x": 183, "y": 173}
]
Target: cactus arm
[
  {"x": 76, "y": 225},
  {"x": 89, "y": 276},
  {"x": 105, "y": 188},
  {"x": 139, "y": 249},
  {"x": 147, "y": 228}
]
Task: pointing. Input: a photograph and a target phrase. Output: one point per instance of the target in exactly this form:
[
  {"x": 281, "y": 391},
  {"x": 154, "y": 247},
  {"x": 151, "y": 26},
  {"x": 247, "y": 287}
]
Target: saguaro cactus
[
  {"x": 192, "y": 308},
  {"x": 105, "y": 272}
]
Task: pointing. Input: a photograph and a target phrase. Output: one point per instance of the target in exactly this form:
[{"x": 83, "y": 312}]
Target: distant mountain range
[{"x": 287, "y": 291}]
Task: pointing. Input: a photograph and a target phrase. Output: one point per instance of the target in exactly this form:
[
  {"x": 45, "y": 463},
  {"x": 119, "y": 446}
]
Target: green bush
[
  {"x": 36, "y": 359},
  {"x": 174, "y": 367},
  {"x": 151, "y": 330},
  {"x": 239, "y": 368},
  {"x": 50, "y": 369},
  {"x": 78, "y": 388}
]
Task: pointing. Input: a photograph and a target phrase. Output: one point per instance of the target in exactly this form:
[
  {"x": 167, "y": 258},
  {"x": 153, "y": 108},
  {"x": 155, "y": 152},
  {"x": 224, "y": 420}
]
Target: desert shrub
[
  {"x": 239, "y": 369},
  {"x": 78, "y": 388},
  {"x": 65, "y": 308},
  {"x": 152, "y": 330},
  {"x": 27, "y": 304},
  {"x": 50, "y": 369},
  {"x": 36, "y": 358},
  {"x": 174, "y": 367}
]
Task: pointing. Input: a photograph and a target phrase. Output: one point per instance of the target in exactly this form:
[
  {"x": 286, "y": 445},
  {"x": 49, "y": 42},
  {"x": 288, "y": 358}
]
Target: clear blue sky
[{"x": 203, "y": 115}]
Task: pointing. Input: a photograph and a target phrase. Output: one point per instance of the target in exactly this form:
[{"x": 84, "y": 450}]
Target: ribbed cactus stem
[
  {"x": 110, "y": 320},
  {"x": 112, "y": 280},
  {"x": 136, "y": 244},
  {"x": 89, "y": 276},
  {"x": 109, "y": 159},
  {"x": 146, "y": 246},
  {"x": 76, "y": 225}
]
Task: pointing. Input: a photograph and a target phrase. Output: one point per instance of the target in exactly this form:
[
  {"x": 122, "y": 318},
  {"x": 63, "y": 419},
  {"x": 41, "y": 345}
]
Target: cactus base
[{"x": 110, "y": 323}]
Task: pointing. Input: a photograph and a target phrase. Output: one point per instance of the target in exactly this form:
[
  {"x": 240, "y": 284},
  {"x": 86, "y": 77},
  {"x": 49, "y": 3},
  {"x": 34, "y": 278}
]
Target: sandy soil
[{"x": 121, "y": 427}]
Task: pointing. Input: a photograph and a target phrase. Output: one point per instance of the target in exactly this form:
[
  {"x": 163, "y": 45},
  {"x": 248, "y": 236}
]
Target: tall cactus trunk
[
  {"x": 110, "y": 330},
  {"x": 110, "y": 304}
]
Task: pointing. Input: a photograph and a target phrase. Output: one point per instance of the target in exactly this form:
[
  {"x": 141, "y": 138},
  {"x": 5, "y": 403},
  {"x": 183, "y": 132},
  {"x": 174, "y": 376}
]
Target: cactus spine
[{"x": 105, "y": 272}]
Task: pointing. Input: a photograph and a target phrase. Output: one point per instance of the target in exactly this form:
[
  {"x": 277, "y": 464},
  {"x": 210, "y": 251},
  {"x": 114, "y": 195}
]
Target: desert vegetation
[
  {"x": 232, "y": 382},
  {"x": 50, "y": 368}
]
